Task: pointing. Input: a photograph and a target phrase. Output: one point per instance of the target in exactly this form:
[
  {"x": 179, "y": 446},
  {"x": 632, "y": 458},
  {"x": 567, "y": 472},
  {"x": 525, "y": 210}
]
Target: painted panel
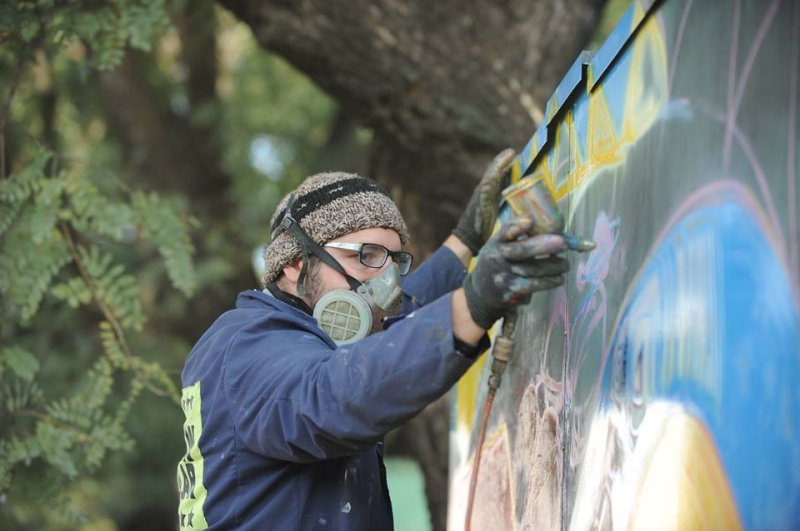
[{"x": 660, "y": 387}]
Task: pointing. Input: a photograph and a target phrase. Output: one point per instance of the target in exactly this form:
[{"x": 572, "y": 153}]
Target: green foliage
[
  {"x": 58, "y": 246},
  {"x": 33, "y": 252},
  {"x": 112, "y": 348},
  {"x": 92, "y": 211},
  {"x": 90, "y": 244},
  {"x": 169, "y": 232},
  {"x": 106, "y": 28},
  {"x": 72, "y": 245},
  {"x": 112, "y": 288},
  {"x": 20, "y": 361},
  {"x": 73, "y": 291}
]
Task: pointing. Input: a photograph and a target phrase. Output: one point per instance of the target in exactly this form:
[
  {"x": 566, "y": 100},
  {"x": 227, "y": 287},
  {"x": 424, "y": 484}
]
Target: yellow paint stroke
[
  {"x": 684, "y": 485},
  {"x": 645, "y": 97},
  {"x": 516, "y": 171},
  {"x": 646, "y": 94},
  {"x": 467, "y": 385},
  {"x": 500, "y": 433},
  {"x": 466, "y": 395},
  {"x": 467, "y": 389},
  {"x": 664, "y": 475},
  {"x": 638, "y": 13}
]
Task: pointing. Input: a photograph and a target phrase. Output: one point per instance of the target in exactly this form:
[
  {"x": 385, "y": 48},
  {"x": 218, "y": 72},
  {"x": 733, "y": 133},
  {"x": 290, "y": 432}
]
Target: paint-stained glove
[
  {"x": 513, "y": 264},
  {"x": 478, "y": 218}
]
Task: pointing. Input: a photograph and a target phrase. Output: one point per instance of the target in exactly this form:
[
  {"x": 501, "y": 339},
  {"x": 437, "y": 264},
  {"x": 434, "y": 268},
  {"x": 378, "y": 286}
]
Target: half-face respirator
[{"x": 346, "y": 315}]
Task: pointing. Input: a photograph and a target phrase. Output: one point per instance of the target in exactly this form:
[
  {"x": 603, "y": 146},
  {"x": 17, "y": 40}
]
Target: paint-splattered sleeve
[
  {"x": 301, "y": 401},
  {"x": 441, "y": 273}
]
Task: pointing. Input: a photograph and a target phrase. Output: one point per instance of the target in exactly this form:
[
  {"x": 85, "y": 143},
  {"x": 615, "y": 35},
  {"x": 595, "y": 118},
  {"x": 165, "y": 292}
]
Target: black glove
[
  {"x": 470, "y": 229},
  {"x": 512, "y": 265}
]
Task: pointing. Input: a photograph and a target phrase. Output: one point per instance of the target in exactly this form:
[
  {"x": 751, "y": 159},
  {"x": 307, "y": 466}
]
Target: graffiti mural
[{"x": 661, "y": 385}]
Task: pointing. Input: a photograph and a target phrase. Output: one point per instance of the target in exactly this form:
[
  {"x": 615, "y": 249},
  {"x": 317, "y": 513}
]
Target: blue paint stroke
[{"x": 711, "y": 324}]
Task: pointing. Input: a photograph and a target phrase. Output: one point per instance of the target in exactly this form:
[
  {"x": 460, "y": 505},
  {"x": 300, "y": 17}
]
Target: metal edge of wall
[{"x": 585, "y": 72}]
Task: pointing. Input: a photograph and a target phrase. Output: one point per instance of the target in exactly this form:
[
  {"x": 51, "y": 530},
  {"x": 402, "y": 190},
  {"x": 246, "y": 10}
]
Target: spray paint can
[{"x": 532, "y": 197}]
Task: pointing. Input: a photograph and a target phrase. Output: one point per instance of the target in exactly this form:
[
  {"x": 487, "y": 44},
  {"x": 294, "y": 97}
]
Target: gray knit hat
[{"x": 327, "y": 206}]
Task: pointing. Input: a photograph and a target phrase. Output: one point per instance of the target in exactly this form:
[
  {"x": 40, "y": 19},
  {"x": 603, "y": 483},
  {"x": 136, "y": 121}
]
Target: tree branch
[
  {"x": 443, "y": 87},
  {"x": 6, "y": 109}
]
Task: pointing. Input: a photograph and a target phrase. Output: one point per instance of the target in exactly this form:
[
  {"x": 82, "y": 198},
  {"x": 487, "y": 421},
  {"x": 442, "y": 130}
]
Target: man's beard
[
  {"x": 313, "y": 283},
  {"x": 378, "y": 315},
  {"x": 316, "y": 290}
]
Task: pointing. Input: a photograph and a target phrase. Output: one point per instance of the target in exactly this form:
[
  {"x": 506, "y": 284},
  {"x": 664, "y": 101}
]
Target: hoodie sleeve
[
  {"x": 296, "y": 399},
  {"x": 441, "y": 273}
]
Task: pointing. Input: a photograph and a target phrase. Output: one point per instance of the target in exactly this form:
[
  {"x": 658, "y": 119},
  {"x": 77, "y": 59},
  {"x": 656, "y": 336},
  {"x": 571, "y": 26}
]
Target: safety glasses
[{"x": 375, "y": 255}]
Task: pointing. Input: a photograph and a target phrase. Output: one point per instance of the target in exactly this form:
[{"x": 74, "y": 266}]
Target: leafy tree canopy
[{"x": 99, "y": 263}]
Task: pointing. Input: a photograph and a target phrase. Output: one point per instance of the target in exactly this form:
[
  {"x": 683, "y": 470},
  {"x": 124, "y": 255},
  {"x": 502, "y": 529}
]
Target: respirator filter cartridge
[{"x": 344, "y": 315}]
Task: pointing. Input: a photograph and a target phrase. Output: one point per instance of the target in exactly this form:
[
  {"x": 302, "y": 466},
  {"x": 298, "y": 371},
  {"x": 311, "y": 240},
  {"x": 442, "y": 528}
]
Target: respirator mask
[{"x": 347, "y": 315}]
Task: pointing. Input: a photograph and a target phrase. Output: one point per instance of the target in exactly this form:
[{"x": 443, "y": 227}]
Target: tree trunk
[
  {"x": 444, "y": 86},
  {"x": 174, "y": 151}
]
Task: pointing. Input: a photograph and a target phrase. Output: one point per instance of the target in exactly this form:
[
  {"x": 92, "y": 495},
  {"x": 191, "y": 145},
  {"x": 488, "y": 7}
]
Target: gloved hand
[
  {"x": 470, "y": 228},
  {"x": 512, "y": 265}
]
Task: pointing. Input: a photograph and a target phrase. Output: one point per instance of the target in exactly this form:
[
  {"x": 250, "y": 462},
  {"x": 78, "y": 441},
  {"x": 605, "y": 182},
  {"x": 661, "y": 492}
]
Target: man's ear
[{"x": 292, "y": 271}]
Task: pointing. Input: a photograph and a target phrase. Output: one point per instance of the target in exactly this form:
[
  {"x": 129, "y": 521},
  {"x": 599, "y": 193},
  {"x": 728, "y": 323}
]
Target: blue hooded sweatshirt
[{"x": 284, "y": 429}]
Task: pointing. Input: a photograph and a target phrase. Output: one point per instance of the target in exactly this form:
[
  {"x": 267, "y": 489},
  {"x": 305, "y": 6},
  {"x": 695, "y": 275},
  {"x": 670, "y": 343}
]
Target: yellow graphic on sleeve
[{"x": 190, "y": 468}]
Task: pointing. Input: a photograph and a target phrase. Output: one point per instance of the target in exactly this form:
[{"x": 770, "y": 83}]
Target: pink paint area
[
  {"x": 590, "y": 312},
  {"x": 493, "y": 492}
]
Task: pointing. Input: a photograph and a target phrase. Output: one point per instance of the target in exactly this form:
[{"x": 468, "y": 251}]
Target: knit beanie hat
[{"x": 327, "y": 206}]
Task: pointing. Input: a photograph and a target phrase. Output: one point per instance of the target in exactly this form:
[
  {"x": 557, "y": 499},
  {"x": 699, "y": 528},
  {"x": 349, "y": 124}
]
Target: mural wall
[{"x": 660, "y": 387}]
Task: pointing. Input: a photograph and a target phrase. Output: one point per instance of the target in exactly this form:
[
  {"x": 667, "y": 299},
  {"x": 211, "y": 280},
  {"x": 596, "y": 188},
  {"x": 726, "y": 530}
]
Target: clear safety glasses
[{"x": 375, "y": 255}]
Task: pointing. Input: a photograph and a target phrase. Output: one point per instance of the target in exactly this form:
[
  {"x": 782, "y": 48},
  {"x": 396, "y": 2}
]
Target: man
[{"x": 288, "y": 396}]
